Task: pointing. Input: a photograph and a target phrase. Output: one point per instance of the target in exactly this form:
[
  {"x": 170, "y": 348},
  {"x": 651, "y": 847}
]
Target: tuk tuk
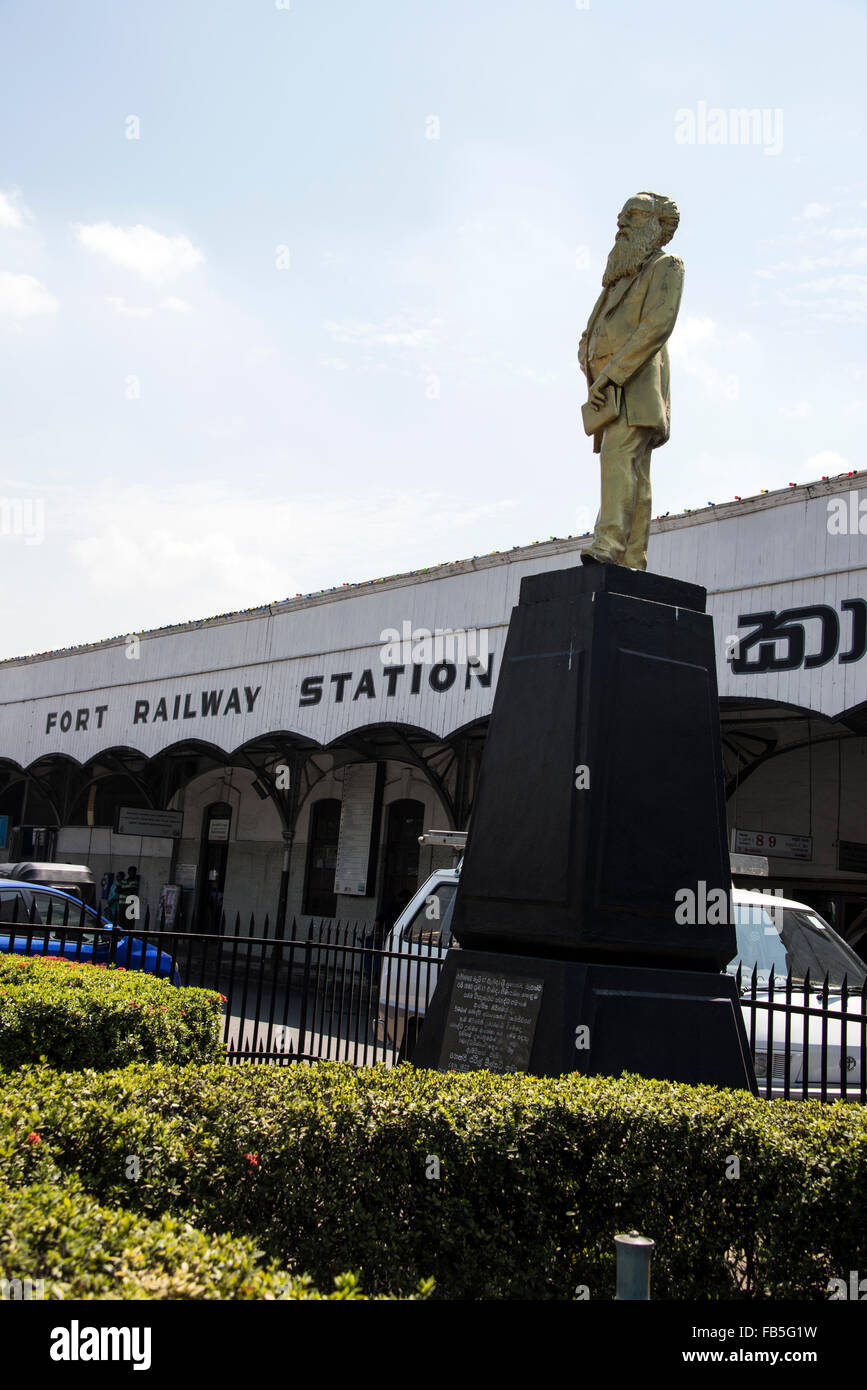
[{"x": 76, "y": 879}]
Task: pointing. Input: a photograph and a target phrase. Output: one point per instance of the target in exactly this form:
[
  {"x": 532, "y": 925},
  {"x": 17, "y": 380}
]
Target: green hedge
[
  {"x": 77, "y": 1015},
  {"x": 80, "y": 1250},
  {"x": 326, "y": 1169}
]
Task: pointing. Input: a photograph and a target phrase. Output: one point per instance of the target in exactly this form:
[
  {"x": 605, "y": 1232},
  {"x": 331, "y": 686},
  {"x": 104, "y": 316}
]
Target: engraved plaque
[{"x": 491, "y": 1022}]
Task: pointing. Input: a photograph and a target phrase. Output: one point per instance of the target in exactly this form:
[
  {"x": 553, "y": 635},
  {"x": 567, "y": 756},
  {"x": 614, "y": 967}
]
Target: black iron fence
[
  {"x": 329, "y": 990},
  {"x": 808, "y": 1037}
]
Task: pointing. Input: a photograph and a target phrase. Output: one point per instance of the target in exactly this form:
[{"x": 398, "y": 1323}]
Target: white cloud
[
  {"x": 540, "y": 378},
  {"x": 822, "y": 277},
  {"x": 131, "y": 311},
  {"x": 175, "y": 546},
  {"x": 474, "y": 514},
  {"x": 194, "y": 553},
  {"x": 232, "y": 427},
  {"x": 847, "y": 233},
  {"x": 696, "y": 343},
  {"x": 175, "y": 306},
  {"x": 854, "y": 285},
  {"x": 24, "y": 297},
  {"x": 394, "y": 332},
  {"x": 13, "y": 212},
  {"x": 155, "y": 257},
  {"x": 827, "y": 463},
  {"x": 692, "y": 331},
  {"x": 510, "y": 242}
]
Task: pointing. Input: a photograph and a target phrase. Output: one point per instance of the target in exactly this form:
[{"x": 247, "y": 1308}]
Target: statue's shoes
[{"x": 588, "y": 558}]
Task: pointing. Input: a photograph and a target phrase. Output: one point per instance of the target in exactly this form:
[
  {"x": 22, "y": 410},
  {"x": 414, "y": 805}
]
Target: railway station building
[{"x": 284, "y": 760}]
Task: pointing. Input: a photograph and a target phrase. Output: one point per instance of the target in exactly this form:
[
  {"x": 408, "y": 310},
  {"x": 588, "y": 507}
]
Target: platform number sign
[{"x": 772, "y": 843}]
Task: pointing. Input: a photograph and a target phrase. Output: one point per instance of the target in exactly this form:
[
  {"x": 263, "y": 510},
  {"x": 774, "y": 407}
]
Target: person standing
[{"x": 124, "y": 890}]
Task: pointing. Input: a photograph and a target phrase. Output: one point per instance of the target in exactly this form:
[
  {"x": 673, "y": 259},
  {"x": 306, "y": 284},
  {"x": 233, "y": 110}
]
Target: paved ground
[{"x": 273, "y": 1011}]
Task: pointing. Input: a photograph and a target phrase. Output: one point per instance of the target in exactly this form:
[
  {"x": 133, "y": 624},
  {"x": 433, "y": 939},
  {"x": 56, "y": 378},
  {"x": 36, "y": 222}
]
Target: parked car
[
  {"x": 38, "y": 921},
  {"x": 786, "y": 950},
  {"x": 415, "y": 948},
  {"x": 775, "y": 935}
]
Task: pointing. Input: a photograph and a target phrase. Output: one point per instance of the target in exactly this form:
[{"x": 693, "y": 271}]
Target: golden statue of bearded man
[{"x": 624, "y": 345}]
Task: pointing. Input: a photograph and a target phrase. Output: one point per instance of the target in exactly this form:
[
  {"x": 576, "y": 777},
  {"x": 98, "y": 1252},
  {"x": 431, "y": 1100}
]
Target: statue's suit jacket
[{"x": 629, "y": 339}]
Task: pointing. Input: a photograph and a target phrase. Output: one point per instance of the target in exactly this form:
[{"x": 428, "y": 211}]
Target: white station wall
[{"x": 316, "y": 667}]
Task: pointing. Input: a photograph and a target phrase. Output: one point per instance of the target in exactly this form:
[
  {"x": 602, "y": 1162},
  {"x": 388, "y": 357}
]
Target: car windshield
[
  {"x": 430, "y": 925},
  {"x": 60, "y": 913},
  {"x": 33, "y": 909},
  {"x": 774, "y": 940}
]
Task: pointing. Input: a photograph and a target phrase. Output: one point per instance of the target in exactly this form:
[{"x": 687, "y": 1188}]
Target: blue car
[{"x": 45, "y": 921}]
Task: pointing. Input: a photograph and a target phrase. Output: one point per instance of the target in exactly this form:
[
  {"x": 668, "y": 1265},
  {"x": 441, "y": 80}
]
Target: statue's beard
[{"x": 629, "y": 253}]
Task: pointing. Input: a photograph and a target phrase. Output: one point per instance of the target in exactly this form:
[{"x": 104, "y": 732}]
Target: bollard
[{"x": 633, "y": 1266}]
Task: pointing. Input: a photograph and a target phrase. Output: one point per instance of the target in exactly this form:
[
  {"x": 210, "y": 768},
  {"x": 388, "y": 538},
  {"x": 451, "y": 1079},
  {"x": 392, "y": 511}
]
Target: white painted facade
[{"x": 313, "y": 668}]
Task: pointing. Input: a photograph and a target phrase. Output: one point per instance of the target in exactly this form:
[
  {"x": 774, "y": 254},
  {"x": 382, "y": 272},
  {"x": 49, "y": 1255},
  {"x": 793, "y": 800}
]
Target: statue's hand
[{"x": 597, "y": 391}]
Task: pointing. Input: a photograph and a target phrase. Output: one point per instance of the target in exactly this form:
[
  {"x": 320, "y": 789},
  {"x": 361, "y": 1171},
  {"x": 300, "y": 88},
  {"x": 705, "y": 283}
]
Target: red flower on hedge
[
  {"x": 34, "y": 1138},
  {"x": 252, "y": 1161}
]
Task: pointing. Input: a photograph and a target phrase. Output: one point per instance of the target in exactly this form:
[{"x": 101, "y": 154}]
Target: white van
[{"x": 775, "y": 935}]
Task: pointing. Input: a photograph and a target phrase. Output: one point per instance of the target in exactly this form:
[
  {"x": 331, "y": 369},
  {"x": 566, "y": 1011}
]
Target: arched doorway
[
  {"x": 216, "y": 828},
  {"x": 404, "y": 824},
  {"x": 320, "y": 900}
]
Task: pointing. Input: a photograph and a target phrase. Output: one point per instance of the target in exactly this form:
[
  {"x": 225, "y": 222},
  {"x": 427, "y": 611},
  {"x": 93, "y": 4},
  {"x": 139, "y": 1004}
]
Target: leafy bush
[
  {"x": 80, "y": 1250},
  {"x": 74, "y": 1016},
  {"x": 496, "y": 1186}
]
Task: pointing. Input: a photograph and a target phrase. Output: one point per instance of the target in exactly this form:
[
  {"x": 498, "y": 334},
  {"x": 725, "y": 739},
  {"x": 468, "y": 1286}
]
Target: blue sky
[{"x": 285, "y": 339}]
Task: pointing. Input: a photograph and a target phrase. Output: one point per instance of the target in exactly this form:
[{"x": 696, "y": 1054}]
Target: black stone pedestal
[
  {"x": 598, "y": 819},
  {"x": 508, "y": 1013},
  {"x": 601, "y": 788}
]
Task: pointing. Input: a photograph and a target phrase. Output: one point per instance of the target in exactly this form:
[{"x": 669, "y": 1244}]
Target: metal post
[
  {"x": 283, "y": 898},
  {"x": 633, "y": 1267}
]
